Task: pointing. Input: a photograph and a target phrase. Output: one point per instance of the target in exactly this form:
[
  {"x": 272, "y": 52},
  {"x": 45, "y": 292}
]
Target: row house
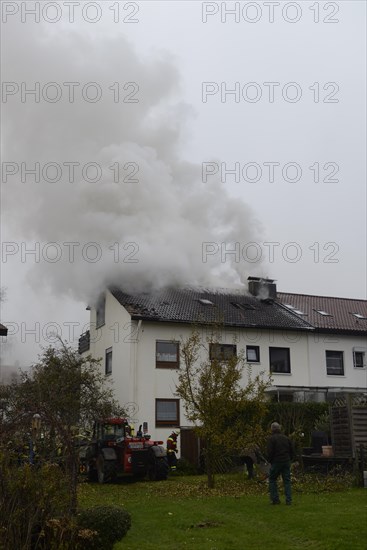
[{"x": 314, "y": 347}]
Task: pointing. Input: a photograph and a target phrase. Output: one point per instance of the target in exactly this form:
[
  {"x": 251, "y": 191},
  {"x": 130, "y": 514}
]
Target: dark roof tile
[{"x": 184, "y": 306}]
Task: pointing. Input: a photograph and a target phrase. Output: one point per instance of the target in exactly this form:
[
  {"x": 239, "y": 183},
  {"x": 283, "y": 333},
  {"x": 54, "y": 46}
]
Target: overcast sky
[{"x": 161, "y": 136}]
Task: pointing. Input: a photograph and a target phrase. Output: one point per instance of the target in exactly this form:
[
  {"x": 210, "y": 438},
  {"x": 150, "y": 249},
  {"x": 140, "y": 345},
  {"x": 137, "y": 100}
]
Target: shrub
[
  {"x": 297, "y": 417},
  {"x": 111, "y": 523},
  {"x": 29, "y": 497},
  {"x": 185, "y": 468}
]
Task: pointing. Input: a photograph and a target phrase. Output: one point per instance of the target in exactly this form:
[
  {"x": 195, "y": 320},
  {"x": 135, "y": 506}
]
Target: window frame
[
  {"x": 222, "y": 359},
  {"x": 257, "y": 352},
  {"x": 288, "y": 352},
  {"x": 167, "y": 423},
  {"x": 167, "y": 364},
  {"x": 108, "y": 352},
  {"x": 101, "y": 312},
  {"x": 341, "y": 355},
  {"x": 363, "y": 353}
]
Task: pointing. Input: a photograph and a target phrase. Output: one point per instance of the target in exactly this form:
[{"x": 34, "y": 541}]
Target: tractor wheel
[
  {"x": 106, "y": 470},
  {"x": 157, "y": 468}
]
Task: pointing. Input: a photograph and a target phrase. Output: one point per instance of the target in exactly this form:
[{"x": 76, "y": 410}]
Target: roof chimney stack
[{"x": 263, "y": 289}]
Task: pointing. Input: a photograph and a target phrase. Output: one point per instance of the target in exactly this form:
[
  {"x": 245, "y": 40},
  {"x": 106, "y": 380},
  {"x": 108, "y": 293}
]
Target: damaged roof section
[{"x": 208, "y": 306}]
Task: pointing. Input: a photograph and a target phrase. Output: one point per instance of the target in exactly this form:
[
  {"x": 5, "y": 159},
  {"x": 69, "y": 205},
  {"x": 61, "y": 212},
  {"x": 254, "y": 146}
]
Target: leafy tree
[
  {"x": 59, "y": 397},
  {"x": 226, "y": 411},
  {"x": 298, "y": 420}
]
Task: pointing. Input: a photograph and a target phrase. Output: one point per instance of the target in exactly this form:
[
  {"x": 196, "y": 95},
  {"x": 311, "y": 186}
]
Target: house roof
[
  {"x": 344, "y": 315},
  {"x": 229, "y": 307},
  {"x": 3, "y": 330}
]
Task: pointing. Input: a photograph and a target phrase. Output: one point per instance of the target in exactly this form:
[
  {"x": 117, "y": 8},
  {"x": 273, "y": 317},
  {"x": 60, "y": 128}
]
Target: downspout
[
  {"x": 135, "y": 369},
  {"x": 308, "y": 358}
]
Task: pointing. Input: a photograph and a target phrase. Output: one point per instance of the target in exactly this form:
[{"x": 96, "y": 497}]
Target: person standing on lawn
[{"x": 280, "y": 454}]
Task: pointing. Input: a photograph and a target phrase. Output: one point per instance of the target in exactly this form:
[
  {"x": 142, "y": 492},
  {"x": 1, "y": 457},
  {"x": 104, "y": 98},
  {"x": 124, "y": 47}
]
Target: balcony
[{"x": 84, "y": 342}]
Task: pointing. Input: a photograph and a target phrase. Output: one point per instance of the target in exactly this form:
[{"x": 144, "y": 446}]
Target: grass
[{"x": 182, "y": 513}]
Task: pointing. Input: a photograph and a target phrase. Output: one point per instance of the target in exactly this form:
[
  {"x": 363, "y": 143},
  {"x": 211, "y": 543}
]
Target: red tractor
[{"x": 114, "y": 449}]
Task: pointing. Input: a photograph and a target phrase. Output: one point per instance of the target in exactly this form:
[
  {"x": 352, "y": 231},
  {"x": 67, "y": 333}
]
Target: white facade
[
  {"x": 138, "y": 382},
  {"x": 353, "y": 377}
]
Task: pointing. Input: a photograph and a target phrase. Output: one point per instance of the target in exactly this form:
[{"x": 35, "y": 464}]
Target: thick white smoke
[{"x": 147, "y": 233}]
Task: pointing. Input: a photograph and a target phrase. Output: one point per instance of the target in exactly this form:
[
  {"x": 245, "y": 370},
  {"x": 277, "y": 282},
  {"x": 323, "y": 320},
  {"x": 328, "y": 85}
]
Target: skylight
[
  {"x": 322, "y": 312},
  {"x": 206, "y": 302},
  {"x": 243, "y": 306},
  {"x": 294, "y": 309},
  {"x": 359, "y": 316}
]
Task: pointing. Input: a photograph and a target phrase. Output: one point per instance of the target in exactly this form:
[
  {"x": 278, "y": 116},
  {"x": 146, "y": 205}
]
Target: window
[
  {"x": 108, "y": 361},
  {"x": 206, "y": 302},
  {"x": 253, "y": 354},
  {"x": 359, "y": 316},
  {"x": 100, "y": 311},
  {"x": 167, "y": 355},
  {"x": 334, "y": 363},
  {"x": 359, "y": 359},
  {"x": 167, "y": 412},
  {"x": 222, "y": 352},
  {"x": 281, "y": 397},
  {"x": 280, "y": 361},
  {"x": 295, "y": 310},
  {"x": 244, "y": 307}
]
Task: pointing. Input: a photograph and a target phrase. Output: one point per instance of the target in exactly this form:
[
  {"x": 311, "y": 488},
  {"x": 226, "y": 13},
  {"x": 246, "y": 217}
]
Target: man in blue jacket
[{"x": 280, "y": 454}]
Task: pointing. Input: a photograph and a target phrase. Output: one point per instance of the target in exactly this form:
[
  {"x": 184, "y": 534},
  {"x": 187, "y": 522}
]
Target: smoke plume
[{"x": 143, "y": 227}]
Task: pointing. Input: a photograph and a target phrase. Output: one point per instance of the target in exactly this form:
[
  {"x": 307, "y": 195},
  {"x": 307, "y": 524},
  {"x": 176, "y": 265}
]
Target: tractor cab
[
  {"x": 114, "y": 449},
  {"x": 114, "y": 429}
]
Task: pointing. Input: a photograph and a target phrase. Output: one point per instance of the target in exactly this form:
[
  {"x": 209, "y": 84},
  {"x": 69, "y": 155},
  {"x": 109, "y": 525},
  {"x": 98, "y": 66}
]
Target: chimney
[{"x": 263, "y": 289}]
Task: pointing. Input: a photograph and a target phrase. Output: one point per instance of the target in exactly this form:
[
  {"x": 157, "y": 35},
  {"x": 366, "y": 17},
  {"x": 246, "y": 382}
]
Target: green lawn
[{"x": 182, "y": 514}]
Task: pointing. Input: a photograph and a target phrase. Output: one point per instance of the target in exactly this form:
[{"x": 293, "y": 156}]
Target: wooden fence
[{"x": 349, "y": 425}]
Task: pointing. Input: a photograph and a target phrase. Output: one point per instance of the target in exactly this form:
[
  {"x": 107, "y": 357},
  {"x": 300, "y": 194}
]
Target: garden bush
[
  {"x": 29, "y": 497},
  {"x": 297, "y": 417},
  {"x": 111, "y": 523},
  {"x": 185, "y": 468}
]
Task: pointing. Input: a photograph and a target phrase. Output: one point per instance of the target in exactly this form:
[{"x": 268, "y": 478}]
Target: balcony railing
[{"x": 84, "y": 342}]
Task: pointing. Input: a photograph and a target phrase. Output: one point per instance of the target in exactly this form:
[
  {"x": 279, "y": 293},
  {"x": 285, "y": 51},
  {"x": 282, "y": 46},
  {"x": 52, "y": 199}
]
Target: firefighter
[{"x": 172, "y": 450}]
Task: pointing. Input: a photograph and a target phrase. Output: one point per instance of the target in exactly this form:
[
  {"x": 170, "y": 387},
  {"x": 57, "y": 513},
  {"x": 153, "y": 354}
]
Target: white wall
[
  {"x": 155, "y": 382},
  {"x": 353, "y": 377},
  {"x": 117, "y": 332},
  {"x": 138, "y": 382}
]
